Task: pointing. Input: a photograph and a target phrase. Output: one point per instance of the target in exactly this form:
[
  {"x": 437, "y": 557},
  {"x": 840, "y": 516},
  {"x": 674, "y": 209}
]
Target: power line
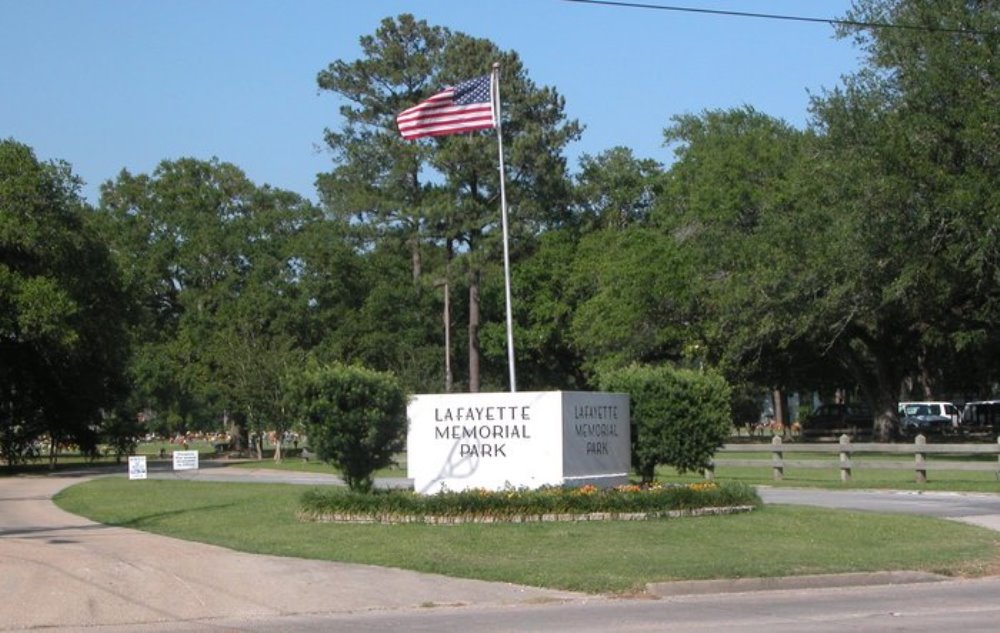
[{"x": 790, "y": 18}]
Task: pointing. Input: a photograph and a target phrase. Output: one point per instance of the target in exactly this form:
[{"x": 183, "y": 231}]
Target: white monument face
[{"x": 520, "y": 440}]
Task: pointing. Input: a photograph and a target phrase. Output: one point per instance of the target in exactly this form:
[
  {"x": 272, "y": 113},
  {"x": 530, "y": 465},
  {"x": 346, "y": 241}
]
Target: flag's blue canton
[{"x": 473, "y": 91}]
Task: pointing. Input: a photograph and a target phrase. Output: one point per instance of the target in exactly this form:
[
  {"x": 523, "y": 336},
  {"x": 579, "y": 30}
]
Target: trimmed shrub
[
  {"x": 355, "y": 418},
  {"x": 679, "y": 416}
]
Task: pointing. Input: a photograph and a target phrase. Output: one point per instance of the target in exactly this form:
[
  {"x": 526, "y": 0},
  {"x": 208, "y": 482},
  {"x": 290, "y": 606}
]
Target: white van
[{"x": 946, "y": 409}]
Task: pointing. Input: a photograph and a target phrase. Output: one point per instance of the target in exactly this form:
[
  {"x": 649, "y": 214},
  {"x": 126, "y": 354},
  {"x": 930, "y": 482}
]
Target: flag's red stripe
[
  {"x": 440, "y": 100},
  {"x": 463, "y": 115},
  {"x": 440, "y": 130},
  {"x": 466, "y": 120},
  {"x": 442, "y": 109}
]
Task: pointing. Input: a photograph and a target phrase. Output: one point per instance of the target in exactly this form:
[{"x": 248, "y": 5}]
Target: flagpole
[{"x": 495, "y": 80}]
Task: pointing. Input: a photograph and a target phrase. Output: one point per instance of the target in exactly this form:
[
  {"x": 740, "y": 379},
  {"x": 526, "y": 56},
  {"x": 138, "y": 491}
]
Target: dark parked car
[
  {"x": 923, "y": 419},
  {"x": 982, "y": 417},
  {"x": 834, "y": 420}
]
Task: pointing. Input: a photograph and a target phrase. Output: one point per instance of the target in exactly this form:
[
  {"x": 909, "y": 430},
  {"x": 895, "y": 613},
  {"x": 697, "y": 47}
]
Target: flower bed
[{"x": 586, "y": 503}]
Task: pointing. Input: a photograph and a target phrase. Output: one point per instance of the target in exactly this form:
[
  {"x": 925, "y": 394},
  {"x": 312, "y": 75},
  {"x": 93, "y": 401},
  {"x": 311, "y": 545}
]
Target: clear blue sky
[{"x": 113, "y": 84}]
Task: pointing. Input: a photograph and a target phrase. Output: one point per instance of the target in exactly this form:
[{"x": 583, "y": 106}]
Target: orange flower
[{"x": 703, "y": 486}]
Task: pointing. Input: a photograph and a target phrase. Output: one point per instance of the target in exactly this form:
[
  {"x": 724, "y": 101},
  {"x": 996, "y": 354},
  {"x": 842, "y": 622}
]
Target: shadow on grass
[{"x": 150, "y": 520}]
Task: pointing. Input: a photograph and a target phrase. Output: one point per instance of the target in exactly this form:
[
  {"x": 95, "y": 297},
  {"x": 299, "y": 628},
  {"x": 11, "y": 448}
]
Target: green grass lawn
[
  {"x": 586, "y": 556},
  {"x": 937, "y": 480},
  {"x": 298, "y": 464}
]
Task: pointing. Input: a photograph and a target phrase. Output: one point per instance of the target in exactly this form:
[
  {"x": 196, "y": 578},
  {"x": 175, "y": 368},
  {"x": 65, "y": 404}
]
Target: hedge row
[{"x": 520, "y": 505}]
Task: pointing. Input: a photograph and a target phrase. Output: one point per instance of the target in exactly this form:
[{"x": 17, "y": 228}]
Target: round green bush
[
  {"x": 355, "y": 418},
  {"x": 679, "y": 416}
]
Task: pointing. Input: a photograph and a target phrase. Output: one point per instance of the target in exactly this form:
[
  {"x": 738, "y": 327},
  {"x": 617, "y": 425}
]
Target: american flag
[{"x": 466, "y": 107}]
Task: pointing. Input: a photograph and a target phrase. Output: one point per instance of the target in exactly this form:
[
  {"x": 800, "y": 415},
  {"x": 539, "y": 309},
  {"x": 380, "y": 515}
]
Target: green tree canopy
[
  {"x": 862, "y": 252},
  {"x": 226, "y": 274},
  {"x": 442, "y": 194},
  {"x": 909, "y": 165},
  {"x": 679, "y": 416},
  {"x": 63, "y": 313}
]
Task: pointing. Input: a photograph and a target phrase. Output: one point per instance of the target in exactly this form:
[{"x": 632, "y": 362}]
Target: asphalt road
[
  {"x": 61, "y": 573},
  {"x": 977, "y": 509},
  {"x": 967, "y": 606}
]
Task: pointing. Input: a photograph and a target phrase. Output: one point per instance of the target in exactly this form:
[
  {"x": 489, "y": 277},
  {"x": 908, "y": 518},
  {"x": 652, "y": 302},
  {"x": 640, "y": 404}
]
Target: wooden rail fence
[{"x": 846, "y": 462}]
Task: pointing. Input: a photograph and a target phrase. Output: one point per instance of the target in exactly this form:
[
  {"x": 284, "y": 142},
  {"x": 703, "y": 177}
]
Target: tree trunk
[
  {"x": 927, "y": 381},
  {"x": 881, "y": 387},
  {"x": 888, "y": 383},
  {"x": 474, "y": 320},
  {"x": 415, "y": 261},
  {"x": 237, "y": 431},
  {"x": 885, "y": 418},
  {"x": 53, "y": 452},
  {"x": 879, "y": 381},
  {"x": 780, "y": 404}
]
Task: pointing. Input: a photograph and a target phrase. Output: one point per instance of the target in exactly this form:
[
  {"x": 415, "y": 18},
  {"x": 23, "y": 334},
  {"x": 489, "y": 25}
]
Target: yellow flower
[{"x": 703, "y": 486}]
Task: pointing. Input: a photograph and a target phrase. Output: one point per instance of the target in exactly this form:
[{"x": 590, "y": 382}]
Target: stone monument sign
[{"x": 517, "y": 440}]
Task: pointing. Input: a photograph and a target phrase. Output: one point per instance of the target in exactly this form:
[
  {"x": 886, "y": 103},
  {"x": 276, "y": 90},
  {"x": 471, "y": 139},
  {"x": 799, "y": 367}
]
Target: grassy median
[{"x": 598, "y": 557}]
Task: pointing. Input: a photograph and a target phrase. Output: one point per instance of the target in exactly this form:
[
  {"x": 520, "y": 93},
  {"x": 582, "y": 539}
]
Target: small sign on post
[
  {"x": 137, "y": 467},
  {"x": 185, "y": 460}
]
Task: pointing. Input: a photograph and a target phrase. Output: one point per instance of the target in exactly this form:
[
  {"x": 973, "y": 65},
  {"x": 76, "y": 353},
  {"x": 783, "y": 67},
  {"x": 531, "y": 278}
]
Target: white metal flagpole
[{"x": 495, "y": 81}]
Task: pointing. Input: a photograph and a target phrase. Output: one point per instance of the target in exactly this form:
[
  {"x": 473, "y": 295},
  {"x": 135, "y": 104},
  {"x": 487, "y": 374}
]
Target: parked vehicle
[
  {"x": 835, "y": 420},
  {"x": 981, "y": 417},
  {"x": 926, "y": 418},
  {"x": 946, "y": 409}
]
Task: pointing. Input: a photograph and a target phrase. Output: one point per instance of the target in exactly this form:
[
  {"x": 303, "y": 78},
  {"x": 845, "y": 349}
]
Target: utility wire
[{"x": 791, "y": 18}]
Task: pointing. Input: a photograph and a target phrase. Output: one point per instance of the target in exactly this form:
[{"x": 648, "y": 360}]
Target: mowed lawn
[{"x": 601, "y": 557}]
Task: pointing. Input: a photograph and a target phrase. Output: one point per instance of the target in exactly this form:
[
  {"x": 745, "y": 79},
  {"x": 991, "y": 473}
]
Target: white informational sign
[
  {"x": 517, "y": 440},
  {"x": 137, "y": 467},
  {"x": 185, "y": 460}
]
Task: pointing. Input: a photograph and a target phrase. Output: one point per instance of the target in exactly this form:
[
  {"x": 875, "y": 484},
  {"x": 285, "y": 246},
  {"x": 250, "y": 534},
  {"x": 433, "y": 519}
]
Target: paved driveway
[
  {"x": 60, "y": 570},
  {"x": 64, "y": 573}
]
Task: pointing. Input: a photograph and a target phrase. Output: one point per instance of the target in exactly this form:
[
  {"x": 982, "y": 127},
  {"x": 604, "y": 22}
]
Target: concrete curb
[{"x": 784, "y": 583}]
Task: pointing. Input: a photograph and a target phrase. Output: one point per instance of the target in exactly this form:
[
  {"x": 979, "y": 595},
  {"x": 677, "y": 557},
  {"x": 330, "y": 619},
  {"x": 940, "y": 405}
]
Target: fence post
[
  {"x": 998, "y": 460},
  {"x": 920, "y": 459},
  {"x": 845, "y": 458},
  {"x": 777, "y": 459}
]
